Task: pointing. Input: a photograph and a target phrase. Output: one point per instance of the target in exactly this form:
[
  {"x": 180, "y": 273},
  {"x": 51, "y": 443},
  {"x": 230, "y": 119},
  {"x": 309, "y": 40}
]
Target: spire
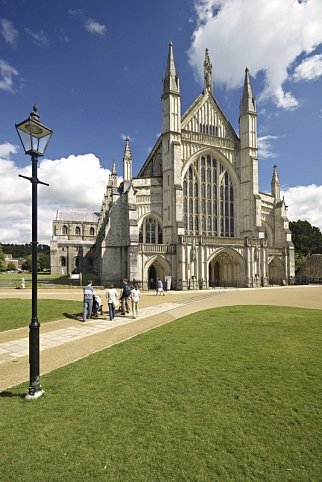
[
  {"x": 127, "y": 161},
  {"x": 275, "y": 185},
  {"x": 247, "y": 103},
  {"x": 207, "y": 67},
  {"x": 171, "y": 79}
]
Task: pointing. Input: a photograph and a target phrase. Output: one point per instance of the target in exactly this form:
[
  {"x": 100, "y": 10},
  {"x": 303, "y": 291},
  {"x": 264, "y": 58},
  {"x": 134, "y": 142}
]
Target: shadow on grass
[{"x": 6, "y": 394}]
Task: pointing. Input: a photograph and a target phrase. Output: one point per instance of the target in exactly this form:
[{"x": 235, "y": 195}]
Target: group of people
[{"x": 127, "y": 295}]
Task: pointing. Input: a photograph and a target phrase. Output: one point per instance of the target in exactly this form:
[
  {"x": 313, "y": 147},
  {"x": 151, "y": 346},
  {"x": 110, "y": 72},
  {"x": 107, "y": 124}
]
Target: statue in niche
[{"x": 193, "y": 252}]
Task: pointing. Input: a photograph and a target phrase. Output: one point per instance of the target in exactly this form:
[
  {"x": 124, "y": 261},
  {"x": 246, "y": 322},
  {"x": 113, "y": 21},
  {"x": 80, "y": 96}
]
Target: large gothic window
[
  {"x": 150, "y": 231},
  {"x": 208, "y": 199}
]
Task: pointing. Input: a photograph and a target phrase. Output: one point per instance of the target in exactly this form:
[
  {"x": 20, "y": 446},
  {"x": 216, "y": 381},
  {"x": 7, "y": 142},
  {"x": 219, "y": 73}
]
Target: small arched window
[
  {"x": 150, "y": 231},
  {"x": 63, "y": 261},
  {"x": 77, "y": 231},
  {"x": 64, "y": 230},
  {"x": 91, "y": 231}
]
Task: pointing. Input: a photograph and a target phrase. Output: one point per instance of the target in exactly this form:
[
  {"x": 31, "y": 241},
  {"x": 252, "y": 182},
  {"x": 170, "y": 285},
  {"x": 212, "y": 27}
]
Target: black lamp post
[{"x": 34, "y": 138}]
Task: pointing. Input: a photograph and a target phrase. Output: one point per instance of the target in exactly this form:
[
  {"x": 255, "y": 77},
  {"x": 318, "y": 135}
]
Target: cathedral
[{"x": 193, "y": 216}]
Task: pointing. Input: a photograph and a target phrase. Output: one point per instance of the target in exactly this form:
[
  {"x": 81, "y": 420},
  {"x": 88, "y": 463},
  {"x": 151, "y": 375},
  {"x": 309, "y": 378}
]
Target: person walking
[
  {"x": 125, "y": 295},
  {"x": 160, "y": 290},
  {"x": 135, "y": 297},
  {"x": 112, "y": 300},
  {"x": 88, "y": 294}
]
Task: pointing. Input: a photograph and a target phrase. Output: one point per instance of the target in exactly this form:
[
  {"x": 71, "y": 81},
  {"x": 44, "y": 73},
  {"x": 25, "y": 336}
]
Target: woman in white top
[
  {"x": 112, "y": 300},
  {"x": 135, "y": 297}
]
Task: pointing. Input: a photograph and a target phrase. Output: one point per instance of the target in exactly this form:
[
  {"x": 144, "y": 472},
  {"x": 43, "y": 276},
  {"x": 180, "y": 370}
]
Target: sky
[{"x": 95, "y": 71}]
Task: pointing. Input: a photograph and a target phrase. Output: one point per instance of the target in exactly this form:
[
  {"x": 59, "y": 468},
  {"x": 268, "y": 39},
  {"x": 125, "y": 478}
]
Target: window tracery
[
  {"x": 208, "y": 199},
  {"x": 150, "y": 231}
]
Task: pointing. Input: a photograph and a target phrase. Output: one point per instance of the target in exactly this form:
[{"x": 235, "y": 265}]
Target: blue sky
[{"x": 95, "y": 70}]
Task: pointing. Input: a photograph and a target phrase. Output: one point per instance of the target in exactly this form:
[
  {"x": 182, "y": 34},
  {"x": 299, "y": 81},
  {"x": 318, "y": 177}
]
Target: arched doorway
[
  {"x": 224, "y": 270},
  {"x": 276, "y": 272},
  {"x": 159, "y": 268},
  {"x": 152, "y": 277}
]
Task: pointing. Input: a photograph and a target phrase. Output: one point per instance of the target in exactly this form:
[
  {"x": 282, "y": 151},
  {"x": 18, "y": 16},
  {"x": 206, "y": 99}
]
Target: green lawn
[
  {"x": 44, "y": 280},
  {"x": 16, "y": 313},
  {"x": 229, "y": 394}
]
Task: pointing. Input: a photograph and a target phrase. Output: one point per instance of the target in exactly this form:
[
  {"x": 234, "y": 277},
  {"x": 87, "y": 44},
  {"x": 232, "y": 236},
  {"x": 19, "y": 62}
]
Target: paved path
[{"x": 66, "y": 341}]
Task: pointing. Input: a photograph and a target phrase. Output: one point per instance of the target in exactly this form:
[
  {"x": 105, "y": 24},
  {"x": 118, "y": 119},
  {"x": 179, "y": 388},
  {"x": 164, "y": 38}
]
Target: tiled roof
[{"x": 78, "y": 216}]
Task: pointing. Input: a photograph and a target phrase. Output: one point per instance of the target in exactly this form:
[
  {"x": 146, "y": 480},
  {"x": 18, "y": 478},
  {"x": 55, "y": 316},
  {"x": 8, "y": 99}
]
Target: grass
[
  {"x": 16, "y": 313},
  {"x": 44, "y": 279},
  {"x": 229, "y": 394}
]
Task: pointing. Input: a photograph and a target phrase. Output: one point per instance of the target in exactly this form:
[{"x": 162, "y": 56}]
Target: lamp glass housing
[{"x": 34, "y": 136}]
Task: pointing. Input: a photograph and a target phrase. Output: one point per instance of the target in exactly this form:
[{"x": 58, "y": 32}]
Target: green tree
[
  {"x": 27, "y": 264},
  {"x": 11, "y": 266},
  {"x": 43, "y": 261},
  {"x": 1, "y": 259},
  {"x": 307, "y": 239}
]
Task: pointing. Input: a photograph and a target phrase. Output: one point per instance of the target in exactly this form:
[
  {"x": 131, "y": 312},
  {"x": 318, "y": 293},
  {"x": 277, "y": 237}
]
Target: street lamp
[{"x": 34, "y": 138}]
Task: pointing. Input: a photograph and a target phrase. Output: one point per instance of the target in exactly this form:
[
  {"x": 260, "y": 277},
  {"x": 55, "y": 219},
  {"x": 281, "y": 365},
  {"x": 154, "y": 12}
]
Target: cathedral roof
[{"x": 77, "y": 216}]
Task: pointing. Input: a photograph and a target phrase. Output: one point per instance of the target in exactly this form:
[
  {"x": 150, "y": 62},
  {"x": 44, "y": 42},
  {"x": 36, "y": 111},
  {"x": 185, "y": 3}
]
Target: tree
[
  {"x": 27, "y": 264},
  {"x": 307, "y": 239},
  {"x": 1, "y": 259},
  {"x": 43, "y": 261},
  {"x": 11, "y": 266}
]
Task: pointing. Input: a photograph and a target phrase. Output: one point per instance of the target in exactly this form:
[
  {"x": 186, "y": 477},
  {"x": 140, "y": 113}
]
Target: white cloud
[
  {"x": 304, "y": 202},
  {"x": 76, "y": 182},
  {"x": 265, "y": 147},
  {"x": 8, "y": 31},
  {"x": 265, "y": 36},
  {"x": 309, "y": 69},
  {"x": 6, "y": 149},
  {"x": 40, "y": 36},
  {"x": 93, "y": 26},
  {"x": 7, "y": 76}
]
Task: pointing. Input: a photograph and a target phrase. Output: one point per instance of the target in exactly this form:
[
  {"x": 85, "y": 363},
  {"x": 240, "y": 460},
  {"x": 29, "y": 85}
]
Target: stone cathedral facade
[{"x": 193, "y": 215}]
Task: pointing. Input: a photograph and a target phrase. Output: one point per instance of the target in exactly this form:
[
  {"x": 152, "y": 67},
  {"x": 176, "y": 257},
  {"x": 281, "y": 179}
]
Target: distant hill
[{"x": 23, "y": 250}]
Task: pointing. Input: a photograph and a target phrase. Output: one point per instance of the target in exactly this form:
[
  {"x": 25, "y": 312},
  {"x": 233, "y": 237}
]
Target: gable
[
  {"x": 206, "y": 117},
  {"x": 153, "y": 165}
]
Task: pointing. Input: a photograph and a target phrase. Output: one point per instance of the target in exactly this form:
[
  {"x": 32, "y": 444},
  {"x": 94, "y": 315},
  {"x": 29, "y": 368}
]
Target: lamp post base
[{"x": 33, "y": 394}]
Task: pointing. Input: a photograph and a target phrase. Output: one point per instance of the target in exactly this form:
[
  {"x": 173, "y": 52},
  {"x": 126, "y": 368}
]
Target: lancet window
[
  {"x": 208, "y": 199},
  {"x": 150, "y": 231}
]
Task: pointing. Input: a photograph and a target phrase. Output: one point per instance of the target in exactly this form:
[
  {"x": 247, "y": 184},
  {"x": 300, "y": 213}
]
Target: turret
[
  {"x": 127, "y": 161},
  {"x": 171, "y": 151},
  {"x": 114, "y": 175},
  {"x": 275, "y": 185},
  {"x": 248, "y": 102},
  {"x": 171, "y": 103},
  {"x": 170, "y": 78},
  {"x": 251, "y": 209}
]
